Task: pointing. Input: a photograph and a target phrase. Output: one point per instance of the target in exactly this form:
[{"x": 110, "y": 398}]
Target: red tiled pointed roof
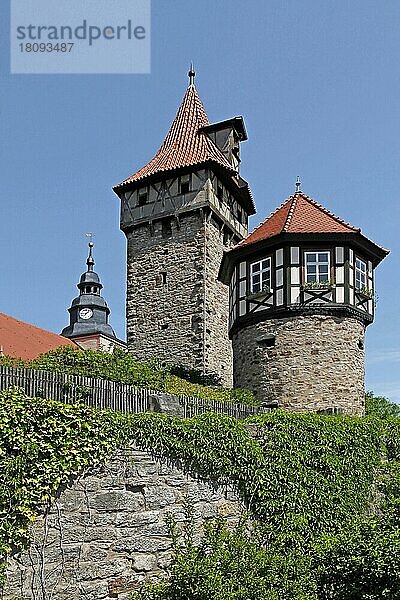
[
  {"x": 299, "y": 214},
  {"x": 186, "y": 144},
  {"x": 22, "y": 340}
]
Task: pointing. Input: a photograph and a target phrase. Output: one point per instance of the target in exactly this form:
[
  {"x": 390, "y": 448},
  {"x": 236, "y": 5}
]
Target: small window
[
  {"x": 164, "y": 277},
  {"x": 361, "y": 274},
  {"x": 220, "y": 192},
  {"x": 317, "y": 267},
  {"x": 185, "y": 187},
  {"x": 164, "y": 326},
  {"x": 260, "y": 275},
  {"x": 166, "y": 228},
  {"x": 142, "y": 198},
  {"x": 88, "y": 289},
  {"x": 268, "y": 341},
  {"x": 227, "y": 237}
]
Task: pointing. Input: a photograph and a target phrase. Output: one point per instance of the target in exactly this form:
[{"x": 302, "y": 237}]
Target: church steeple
[{"x": 89, "y": 311}]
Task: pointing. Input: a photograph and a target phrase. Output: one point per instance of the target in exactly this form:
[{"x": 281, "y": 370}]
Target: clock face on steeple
[{"x": 85, "y": 313}]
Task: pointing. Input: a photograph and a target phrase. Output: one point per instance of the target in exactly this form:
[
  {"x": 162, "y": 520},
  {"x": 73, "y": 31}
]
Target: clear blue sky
[{"x": 318, "y": 83}]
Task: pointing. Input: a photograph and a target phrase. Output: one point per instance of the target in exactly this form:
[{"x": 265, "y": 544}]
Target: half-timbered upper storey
[
  {"x": 301, "y": 259},
  {"x": 196, "y": 167}
]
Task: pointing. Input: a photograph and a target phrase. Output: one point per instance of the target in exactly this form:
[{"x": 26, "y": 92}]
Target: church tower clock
[
  {"x": 88, "y": 314},
  {"x": 179, "y": 212}
]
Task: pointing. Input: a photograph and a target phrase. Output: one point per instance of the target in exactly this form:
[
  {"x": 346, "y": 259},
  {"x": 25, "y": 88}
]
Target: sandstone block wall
[
  {"x": 107, "y": 533},
  {"x": 317, "y": 362},
  {"x": 176, "y": 309}
]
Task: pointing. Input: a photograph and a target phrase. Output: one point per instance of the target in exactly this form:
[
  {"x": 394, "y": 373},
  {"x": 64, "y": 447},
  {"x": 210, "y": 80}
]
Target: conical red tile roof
[
  {"x": 186, "y": 144},
  {"x": 299, "y": 214}
]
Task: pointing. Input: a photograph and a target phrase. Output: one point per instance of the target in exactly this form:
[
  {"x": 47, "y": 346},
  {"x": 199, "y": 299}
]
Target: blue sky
[{"x": 318, "y": 83}]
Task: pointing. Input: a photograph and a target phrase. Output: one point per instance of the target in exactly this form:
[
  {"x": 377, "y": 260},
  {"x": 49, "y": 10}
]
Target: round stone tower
[{"x": 301, "y": 295}]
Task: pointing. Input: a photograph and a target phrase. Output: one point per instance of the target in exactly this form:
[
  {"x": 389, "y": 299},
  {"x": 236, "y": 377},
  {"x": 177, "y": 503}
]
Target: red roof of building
[
  {"x": 299, "y": 214},
  {"x": 186, "y": 144},
  {"x": 22, "y": 340}
]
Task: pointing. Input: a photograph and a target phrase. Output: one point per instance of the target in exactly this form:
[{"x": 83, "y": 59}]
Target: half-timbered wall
[
  {"x": 183, "y": 193},
  {"x": 288, "y": 279}
]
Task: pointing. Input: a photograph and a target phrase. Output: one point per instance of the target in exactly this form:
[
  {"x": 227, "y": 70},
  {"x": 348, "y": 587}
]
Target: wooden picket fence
[{"x": 102, "y": 393}]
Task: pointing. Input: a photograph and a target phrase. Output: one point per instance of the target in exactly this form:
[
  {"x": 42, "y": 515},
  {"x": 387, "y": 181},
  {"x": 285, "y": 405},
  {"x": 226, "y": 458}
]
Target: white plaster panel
[
  {"x": 279, "y": 277},
  {"x": 279, "y": 257},
  {"x": 339, "y": 295},
  {"x": 242, "y": 269},
  {"x": 294, "y": 255},
  {"x": 295, "y": 275},
  {"x": 242, "y": 308},
  {"x": 242, "y": 288},
  {"x": 339, "y": 274},
  {"x": 279, "y": 297},
  {"x": 295, "y": 295},
  {"x": 340, "y": 254},
  {"x": 351, "y": 293},
  {"x": 351, "y": 256}
]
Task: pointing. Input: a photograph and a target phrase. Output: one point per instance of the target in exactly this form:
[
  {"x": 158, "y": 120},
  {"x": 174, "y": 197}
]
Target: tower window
[
  {"x": 361, "y": 274},
  {"x": 260, "y": 275},
  {"x": 166, "y": 228},
  {"x": 185, "y": 187},
  {"x": 317, "y": 267},
  {"x": 143, "y": 198},
  {"x": 88, "y": 289},
  {"x": 164, "y": 277}
]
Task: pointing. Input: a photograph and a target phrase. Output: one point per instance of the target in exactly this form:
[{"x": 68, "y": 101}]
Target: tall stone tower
[
  {"x": 301, "y": 295},
  {"x": 88, "y": 314},
  {"x": 179, "y": 213}
]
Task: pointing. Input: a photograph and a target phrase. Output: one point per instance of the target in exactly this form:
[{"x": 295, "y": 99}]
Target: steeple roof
[
  {"x": 186, "y": 143},
  {"x": 299, "y": 214}
]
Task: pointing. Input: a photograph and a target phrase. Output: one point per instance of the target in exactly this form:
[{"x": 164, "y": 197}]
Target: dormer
[{"x": 227, "y": 135}]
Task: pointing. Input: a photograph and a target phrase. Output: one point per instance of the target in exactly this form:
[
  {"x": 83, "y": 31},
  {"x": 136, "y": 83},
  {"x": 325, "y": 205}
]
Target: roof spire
[
  {"x": 298, "y": 184},
  {"x": 191, "y": 74},
  {"x": 90, "y": 259}
]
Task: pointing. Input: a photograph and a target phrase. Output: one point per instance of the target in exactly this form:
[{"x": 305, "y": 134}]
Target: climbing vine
[{"x": 323, "y": 494}]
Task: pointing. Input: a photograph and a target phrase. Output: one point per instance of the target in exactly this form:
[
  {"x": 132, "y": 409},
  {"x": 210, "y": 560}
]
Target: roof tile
[
  {"x": 299, "y": 214},
  {"x": 186, "y": 144},
  {"x": 22, "y": 340}
]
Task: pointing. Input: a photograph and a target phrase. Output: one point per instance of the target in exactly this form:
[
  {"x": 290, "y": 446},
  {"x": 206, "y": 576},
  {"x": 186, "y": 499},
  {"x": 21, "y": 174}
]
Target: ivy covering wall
[{"x": 323, "y": 494}]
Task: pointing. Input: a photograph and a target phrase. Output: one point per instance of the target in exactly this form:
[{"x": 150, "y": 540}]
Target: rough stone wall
[
  {"x": 218, "y": 347},
  {"x": 107, "y": 533},
  {"x": 176, "y": 309},
  {"x": 317, "y": 363}
]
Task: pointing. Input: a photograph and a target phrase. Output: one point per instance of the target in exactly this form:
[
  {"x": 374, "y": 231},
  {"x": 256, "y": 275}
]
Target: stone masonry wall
[
  {"x": 317, "y": 363},
  {"x": 106, "y": 533},
  {"x": 176, "y": 309}
]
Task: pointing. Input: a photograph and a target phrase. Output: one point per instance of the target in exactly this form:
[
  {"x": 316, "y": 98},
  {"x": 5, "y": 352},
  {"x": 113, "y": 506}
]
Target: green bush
[
  {"x": 380, "y": 407},
  {"x": 323, "y": 494},
  {"x": 121, "y": 366}
]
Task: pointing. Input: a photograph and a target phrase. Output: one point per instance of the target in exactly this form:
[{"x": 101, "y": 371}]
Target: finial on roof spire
[
  {"x": 90, "y": 259},
  {"x": 298, "y": 184},
  {"x": 192, "y": 74}
]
